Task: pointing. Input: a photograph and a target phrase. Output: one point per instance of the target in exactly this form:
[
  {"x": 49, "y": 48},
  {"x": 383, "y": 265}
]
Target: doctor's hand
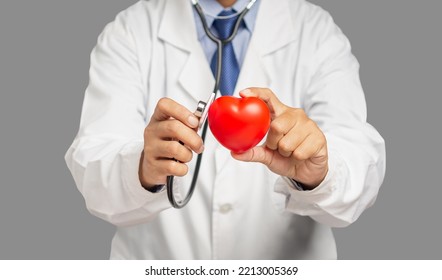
[
  {"x": 163, "y": 154},
  {"x": 295, "y": 146}
]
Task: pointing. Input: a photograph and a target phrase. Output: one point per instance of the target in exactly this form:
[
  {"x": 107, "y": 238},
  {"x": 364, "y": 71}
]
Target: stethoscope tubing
[{"x": 220, "y": 44}]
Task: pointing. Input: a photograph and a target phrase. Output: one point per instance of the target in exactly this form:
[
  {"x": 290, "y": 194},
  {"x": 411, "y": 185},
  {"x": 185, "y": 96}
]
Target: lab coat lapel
[
  {"x": 273, "y": 31},
  {"x": 178, "y": 30},
  {"x": 274, "y": 27}
]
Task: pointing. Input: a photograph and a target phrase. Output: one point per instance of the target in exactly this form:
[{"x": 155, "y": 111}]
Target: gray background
[{"x": 44, "y": 60}]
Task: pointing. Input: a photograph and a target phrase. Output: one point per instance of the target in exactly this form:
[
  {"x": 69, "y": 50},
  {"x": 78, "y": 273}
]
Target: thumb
[{"x": 257, "y": 154}]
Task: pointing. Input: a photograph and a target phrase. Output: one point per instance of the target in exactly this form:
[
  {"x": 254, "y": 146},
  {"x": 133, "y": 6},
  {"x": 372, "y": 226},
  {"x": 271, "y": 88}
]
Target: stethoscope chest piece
[{"x": 202, "y": 110}]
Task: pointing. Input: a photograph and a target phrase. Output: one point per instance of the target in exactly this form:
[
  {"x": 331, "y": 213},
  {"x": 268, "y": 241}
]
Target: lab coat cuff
[
  {"x": 287, "y": 197},
  {"x": 296, "y": 184}
]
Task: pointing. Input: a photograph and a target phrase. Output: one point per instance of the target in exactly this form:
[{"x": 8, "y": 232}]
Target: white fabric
[{"x": 239, "y": 210}]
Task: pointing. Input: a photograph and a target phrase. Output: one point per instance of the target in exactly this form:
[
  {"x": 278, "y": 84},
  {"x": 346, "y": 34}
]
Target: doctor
[{"x": 320, "y": 166}]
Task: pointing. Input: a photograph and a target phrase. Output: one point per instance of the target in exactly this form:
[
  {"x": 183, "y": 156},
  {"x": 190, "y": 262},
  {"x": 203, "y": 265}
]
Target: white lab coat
[{"x": 239, "y": 210}]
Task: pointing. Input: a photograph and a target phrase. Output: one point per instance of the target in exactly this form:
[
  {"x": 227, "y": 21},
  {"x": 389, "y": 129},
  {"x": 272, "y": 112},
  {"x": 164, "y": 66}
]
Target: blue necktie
[{"x": 230, "y": 67}]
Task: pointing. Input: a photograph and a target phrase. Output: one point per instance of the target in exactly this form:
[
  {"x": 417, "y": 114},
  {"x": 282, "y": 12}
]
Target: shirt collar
[{"x": 214, "y": 8}]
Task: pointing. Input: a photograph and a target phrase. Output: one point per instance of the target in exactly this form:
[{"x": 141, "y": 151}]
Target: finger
[
  {"x": 311, "y": 145},
  {"x": 174, "y": 129},
  {"x": 276, "y": 107},
  {"x": 279, "y": 127},
  {"x": 174, "y": 150},
  {"x": 257, "y": 154},
  {"x": 290, "y": 142},
  {"x": 171, "y": 167},
  {"x": 167, "y": 108},
  {"x": 159, "y": 168}
]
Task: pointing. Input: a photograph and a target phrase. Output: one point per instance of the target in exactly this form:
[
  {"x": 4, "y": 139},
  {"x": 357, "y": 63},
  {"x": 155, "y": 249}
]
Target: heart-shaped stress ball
[{"x": 239, "y": 124}]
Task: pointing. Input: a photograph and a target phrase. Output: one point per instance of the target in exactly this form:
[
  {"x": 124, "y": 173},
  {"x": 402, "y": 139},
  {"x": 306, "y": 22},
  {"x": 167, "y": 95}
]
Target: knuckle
[
  {"x": 277, "y": 127},
  {"x": 271, "y": 143},
  {"x": 321, "y": 139},
  {"x": 187, "y": 156},
  {"x": 324, "y": 140},
  {"x": 171, "y": 167},
  {"x": 179, "y": 152},
  {"x": 284, "y": 145},
  {"x": 148, "y": 160},
  {"x": 176, "y": 168},
  {"x": 171, "y": 127},
  {"x": 299, "y": 112},
  {"x": 300, "y": 154},
  {"x": 163, "y": 103},
  {"x": 173, "y": 149},
  {"x": 150, "y": 151},
  {"x": 147, "y": 154},
  {"x": 311, "y": 123},
  {"x": 299, "y": 115},
  {"x": 148, "y": 131}
]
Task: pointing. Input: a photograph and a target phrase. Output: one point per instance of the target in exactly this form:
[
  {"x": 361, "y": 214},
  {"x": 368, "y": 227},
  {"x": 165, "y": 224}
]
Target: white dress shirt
[{"x": 239, "y": 210}]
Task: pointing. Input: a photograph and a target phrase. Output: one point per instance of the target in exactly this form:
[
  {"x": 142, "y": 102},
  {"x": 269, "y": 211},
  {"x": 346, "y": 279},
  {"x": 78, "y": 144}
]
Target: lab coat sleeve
[
  {"x": 334, "y": 99},
  {"x": 105, "y": 155}
]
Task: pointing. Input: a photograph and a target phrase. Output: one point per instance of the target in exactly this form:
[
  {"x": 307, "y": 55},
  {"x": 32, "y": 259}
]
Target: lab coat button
[{"x": 225, "y": 208}]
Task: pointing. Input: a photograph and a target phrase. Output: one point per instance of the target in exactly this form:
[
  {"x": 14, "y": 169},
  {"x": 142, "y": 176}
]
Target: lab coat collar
[
  {"x": 177, "y": 26},
  {"x": 178, "y": 29},
  {"x": 274, "y": 26},
  {"x": 274, "y": 30}
]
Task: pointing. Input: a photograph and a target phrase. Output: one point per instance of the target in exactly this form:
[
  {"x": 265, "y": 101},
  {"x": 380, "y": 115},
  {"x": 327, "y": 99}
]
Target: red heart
[{"x": 239, "y": 123}]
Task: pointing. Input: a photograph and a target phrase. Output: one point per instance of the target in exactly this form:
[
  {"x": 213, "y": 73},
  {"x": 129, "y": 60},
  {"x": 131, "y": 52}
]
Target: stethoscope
[{"x": 202, "y": 107}]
